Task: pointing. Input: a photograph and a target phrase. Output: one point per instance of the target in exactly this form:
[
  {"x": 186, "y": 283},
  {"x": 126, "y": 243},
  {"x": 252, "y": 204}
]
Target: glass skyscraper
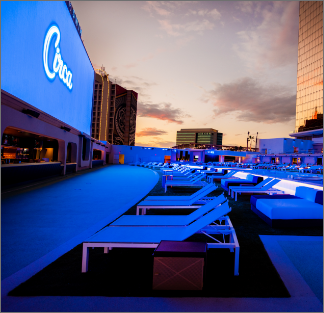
[{"x": 309, "y": 102}]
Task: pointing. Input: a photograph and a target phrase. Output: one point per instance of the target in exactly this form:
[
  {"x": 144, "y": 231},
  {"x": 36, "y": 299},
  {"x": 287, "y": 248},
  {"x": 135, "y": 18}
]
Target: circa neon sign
[{"x": 59, "y": 67}]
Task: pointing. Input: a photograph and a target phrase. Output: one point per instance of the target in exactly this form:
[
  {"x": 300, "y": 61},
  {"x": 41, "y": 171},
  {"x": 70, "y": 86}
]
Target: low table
[{"x": 179, "y": 265}]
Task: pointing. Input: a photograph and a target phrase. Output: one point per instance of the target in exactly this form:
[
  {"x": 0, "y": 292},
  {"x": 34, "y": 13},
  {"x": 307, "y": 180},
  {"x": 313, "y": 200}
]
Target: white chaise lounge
[
  {"x": 263, "y": 187},
  {"x": 150, "y": 237},
  {"x": 199, "y": 193},
  {"x": 194, "y": 182},
  {"x": 168, "y": 220},
  {"x": 194, "y": 203}
]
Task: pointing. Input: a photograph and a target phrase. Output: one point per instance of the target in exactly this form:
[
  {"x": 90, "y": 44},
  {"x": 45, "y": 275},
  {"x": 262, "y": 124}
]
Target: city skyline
[{"x": 231, "y": 66}]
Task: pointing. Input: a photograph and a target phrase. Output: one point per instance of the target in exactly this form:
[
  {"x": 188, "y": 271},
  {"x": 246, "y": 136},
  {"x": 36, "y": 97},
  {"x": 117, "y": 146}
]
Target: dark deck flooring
[{"x": 128, "y": 272}]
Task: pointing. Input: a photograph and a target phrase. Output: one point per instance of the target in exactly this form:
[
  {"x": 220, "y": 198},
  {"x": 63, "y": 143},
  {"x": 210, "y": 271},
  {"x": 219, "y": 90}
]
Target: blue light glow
[{"x": 35, "y": 39}]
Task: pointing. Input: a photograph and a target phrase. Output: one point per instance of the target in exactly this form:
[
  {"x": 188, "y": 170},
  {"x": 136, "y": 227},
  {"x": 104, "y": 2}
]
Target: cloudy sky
[{"x": 219, "y": 64}]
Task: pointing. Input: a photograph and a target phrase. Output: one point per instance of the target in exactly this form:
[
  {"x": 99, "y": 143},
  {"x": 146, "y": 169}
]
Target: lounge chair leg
[
  {"x": 235, "y": 196},
  {"x": 137, "y": 210},
  {"x": 231, "y": 240},
  {"x": 85, "y": 258},
  {"x": 106, "y": 249},
  {"x": 236, "y": 261}
]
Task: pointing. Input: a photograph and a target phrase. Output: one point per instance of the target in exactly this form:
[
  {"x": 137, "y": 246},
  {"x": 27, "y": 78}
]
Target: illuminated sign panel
[{"x": 44, "y": 63}]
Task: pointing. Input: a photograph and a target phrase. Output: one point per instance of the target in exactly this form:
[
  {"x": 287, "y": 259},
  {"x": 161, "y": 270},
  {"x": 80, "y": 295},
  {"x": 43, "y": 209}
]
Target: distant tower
[{"x": 310, "y": 62}]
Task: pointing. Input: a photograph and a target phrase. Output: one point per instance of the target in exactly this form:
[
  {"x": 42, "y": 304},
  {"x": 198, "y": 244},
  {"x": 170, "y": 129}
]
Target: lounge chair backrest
[
  {"x": 229, "y": 174},
  {"x": 205, "y": 220},
  {"x": 203, "y": 192},
  {"x": 310, "y": 194},
  {"x": 198, "y": 177},
  {"x": 206, "y": 207},
  {"x": 264, "y": 182},
  {"x": 270, "y": 184}
]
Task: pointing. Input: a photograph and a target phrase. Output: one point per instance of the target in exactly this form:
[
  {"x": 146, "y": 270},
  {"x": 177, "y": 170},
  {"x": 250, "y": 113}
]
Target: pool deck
[
  {"x": 302, "y": 297},
  {"x": 39, "y": 225},
  {"x": 28, "y": 246}
]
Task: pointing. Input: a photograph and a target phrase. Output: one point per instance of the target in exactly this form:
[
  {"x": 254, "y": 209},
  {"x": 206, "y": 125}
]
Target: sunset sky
[{"x": 228, "y": 65}]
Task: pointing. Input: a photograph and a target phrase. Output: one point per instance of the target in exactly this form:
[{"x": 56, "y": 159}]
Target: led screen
[{"x": 43, "y": 61}]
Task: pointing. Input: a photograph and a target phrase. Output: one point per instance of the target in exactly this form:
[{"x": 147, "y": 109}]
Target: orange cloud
[
  {"x": 150, "y": 132},
  {"x": 163, "y": 111}
]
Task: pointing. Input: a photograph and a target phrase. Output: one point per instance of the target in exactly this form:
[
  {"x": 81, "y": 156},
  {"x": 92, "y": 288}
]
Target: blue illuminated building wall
[{"x": 24, "y": 26}]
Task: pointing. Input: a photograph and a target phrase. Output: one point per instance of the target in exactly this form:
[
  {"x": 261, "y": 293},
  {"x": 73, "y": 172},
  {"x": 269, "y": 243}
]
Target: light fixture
[
  {"x": 31, "y": 112},
  {"x": 66, "y": 128}
]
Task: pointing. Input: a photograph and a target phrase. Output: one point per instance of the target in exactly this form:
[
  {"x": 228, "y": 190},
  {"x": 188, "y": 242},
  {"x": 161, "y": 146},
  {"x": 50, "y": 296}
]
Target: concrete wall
[
  {"x": 200, "y": 154},
  {"x": 310, "y": 160},
  {"x": 134, "y": 154},
  {"x": 284, "y": 145},
  {"x": 286, "y": 159}
]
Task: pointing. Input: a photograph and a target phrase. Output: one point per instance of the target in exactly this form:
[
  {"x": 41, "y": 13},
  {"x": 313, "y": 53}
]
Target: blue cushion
[
  {"x": 319, "y": 197},
  {"x": 310, "y": 194},
  {"x": 255, "y": 198},
  {"x": 286, "y": 209},
  {"x": 253, "y": 178},
  {"x": 249, "y": 179}
]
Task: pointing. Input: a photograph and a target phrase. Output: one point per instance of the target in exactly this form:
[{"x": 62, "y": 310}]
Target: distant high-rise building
[
  {"x": 309, "y": 102},
  {"x": 125, "y": 116},
  {"x": 114, "y": 111},
  {"x": 102, "y": 108},
  {"x": 204, "y": 136}
]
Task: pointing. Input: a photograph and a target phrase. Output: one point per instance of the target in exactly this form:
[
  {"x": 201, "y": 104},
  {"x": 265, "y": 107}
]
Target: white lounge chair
[
  {"x": 195, "y": 182},
  {"x": 188, "y": 177},
  {"x": 249, "y": 186},
  {"x": 228, "y": 175},
  {"x": 150, "y": 237},
  {"x": 194, "y": 203},
  {"x": 265, "y": 189},
  {"x": 200, "y": 193},
  {"x": 169, "y": 220}
]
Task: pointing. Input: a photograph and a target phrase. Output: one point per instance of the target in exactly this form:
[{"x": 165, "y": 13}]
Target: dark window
[{"x": 85, "y": 148}]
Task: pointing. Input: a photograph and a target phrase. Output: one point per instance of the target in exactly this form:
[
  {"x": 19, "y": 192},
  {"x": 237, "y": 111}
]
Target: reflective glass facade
[
  {"x": 310, "y": 62},
  {"x": 205, "y": 138},
  {"x": 185, "y": 138}
]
